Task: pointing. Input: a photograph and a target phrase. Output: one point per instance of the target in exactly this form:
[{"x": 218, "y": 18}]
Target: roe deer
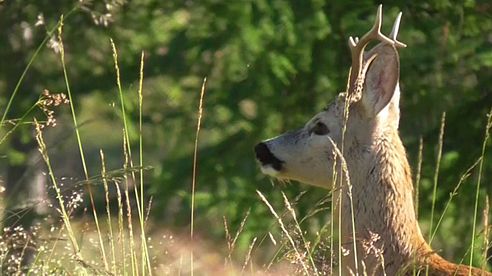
[{"x": 357, "y": 137}]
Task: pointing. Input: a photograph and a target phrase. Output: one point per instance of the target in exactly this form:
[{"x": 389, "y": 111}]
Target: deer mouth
[{"x": 270, "y": 164}]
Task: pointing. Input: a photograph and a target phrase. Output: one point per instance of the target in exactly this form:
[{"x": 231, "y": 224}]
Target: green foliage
[{"x": 270, "y": 65}]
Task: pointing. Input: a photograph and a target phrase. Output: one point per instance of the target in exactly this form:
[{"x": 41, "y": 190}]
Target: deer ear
[{"x": 381, "y": 79}]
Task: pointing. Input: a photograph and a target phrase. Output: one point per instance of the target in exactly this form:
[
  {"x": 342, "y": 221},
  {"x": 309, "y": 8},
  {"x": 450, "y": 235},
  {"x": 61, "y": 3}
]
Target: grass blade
[
  {"x": 79, "y": 140},
  {"x": 479, "y": 180},
  {"x": 195, "y": 157},
  {"x": 436, "y": 173}
]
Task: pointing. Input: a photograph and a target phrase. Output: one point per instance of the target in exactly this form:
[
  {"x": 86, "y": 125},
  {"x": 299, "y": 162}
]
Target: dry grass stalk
[
  {"x": 248, "y": 255},
  {"x": 108, "y": 213},
  {"x": 298, "y": 255},
  {"x": 64, "y": 215},
  {"x": 231, "y": 242},
  {"x": 436, "y": 174},
  {"x": 485, "y": 232},
  {"x": 195, "y": 158},
  {"x": 133, "y": 256},
  {"x": 418, "y": 175}
]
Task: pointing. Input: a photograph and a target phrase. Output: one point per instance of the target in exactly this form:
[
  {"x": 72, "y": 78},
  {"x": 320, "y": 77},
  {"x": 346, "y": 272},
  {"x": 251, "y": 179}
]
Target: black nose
[{"x": 266, "y": 157}]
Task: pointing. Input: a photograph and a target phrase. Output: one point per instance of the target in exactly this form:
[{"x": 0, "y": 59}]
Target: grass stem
[
  {"x": 479, "y": 181},
  {"x": 195, "y": 169},
  {"x": 436, "y": 174}
]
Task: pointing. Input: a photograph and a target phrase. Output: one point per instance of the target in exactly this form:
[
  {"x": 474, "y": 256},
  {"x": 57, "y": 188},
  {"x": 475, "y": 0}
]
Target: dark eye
[{"x": 320, "y": 129}]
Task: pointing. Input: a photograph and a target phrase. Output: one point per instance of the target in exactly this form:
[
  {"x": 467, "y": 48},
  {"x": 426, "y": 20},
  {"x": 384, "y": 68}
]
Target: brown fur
[
  {"x": 378, "y": 181},
  {"x": 393, "y": 217}
]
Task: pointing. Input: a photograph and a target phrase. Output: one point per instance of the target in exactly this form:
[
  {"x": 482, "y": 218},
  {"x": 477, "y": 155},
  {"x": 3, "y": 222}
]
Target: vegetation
[{"x": 116, "y": 155}]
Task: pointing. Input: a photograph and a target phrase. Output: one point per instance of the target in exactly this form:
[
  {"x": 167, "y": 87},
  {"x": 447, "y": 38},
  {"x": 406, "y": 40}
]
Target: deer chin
[
  {"x": 284, "y": 175},
  {"x": 269, "y": 170}
]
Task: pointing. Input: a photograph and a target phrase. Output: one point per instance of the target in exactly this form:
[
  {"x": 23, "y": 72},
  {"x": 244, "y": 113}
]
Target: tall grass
[
  {"x": 436, "y": 174},
  {"x": 79, "y": 140},
  {"x": 63, "y": 212},
  {"x": 114, "y": 263},
  {"x": 194, "y": 177},
  {"x": 479, "y": 181},
  {"x": 298, "y": 254},
  {"x": 418, "y": 175},
  {"x": 486, "y": 239},
  {"x": 108, "y": 214}
]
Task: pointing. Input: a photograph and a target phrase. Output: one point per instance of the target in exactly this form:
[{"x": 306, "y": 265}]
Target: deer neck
[{"x": 386, "y": 228}]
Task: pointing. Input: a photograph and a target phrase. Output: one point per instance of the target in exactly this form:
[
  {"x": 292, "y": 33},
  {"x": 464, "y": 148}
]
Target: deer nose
[{"x": 266, "y": 157}]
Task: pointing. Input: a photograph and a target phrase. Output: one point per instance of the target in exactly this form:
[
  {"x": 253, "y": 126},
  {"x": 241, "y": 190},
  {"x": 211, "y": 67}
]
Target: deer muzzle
[{"x": 269, "y": 163}]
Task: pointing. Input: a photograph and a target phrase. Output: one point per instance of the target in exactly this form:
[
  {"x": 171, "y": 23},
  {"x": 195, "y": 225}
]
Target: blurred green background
[{"x": 270, "y": 66}]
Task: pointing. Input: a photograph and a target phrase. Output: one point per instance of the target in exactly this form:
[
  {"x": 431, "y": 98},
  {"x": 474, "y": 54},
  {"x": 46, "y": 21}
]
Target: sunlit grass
[
  {"x": 194, "y": 177},
  {"x": 125, "y": 252}
]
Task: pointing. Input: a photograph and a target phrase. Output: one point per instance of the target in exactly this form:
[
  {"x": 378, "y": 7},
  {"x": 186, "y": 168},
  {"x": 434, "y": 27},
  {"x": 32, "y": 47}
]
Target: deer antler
[
  {"x": 358, "y": 69},
  {"x": 394, "y": 32}
]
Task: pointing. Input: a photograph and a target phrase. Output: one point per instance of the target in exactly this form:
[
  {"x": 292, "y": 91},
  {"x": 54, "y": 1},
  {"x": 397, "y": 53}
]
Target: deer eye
[{"x": 320, "y": 129}]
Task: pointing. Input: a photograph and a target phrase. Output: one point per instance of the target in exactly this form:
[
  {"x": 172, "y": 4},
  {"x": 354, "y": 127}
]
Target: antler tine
[
  {"x": 357, "y": 47},
  {"x": 394, "y": 32}
]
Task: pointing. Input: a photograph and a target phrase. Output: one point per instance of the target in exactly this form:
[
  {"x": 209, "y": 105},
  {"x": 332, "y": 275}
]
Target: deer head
[{"x": 364, "y": 111}]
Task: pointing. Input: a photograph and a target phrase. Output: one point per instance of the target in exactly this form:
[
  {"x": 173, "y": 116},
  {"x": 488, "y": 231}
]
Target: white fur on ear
[{"x": 381, "y": 79}]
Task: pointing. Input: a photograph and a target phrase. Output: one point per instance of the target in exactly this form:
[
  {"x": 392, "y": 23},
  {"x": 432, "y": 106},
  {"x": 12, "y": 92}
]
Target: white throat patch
[{"x": 269, "y": 170}]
